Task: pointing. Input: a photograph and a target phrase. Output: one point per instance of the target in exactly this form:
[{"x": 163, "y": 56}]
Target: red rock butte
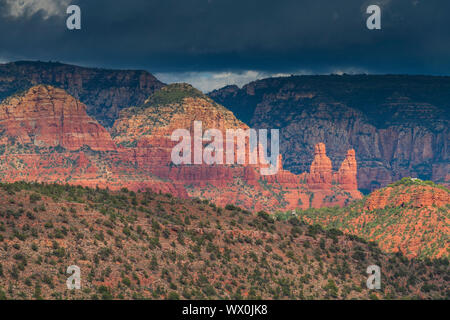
[
  {"x": 47, "y": 136},
  {"x": 48, "y": 117}
]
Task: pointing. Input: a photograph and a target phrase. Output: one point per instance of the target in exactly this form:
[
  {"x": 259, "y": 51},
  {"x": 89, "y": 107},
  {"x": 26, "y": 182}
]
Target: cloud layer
[
  {"x": 208, "y": 81},
  {"x": 26, "y": 8},
  {"x": 225, "y": 40}
]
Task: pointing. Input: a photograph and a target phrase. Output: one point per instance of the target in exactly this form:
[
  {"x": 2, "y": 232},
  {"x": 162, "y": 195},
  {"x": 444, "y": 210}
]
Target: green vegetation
[
  {"x": 379, "y": 223},
  {"x": 143, "y": 245},
  {"x": 407, "y": 181},
  {"x": 174, "y": 93}
]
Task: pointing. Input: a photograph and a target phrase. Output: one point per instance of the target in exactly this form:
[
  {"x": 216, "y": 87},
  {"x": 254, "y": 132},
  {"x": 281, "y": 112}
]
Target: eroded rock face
[
  {"x": 414, "y": 197},
  {"x": 347, "y": 173},
  {"x": 104, "y": 92},
  {"x": 48, "y": 117},
  {"x": 55, "y": 141},
  {"x": 398, "y": 125},
  {"x": 410, "y": 216},
  {"x": 148, "y": 128},
  {"x": 320, "y": 174}
]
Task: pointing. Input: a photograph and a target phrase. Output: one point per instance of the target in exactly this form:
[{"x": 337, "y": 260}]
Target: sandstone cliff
[
  {"x": 320, "y": 174},
  {"x": 48, "y": 117},
  {"x": 146, "y": 129},
  {"x": 398, "y": 125},
  {"x": 48, "y": 137},
  {"x": 410, "y": 216}
]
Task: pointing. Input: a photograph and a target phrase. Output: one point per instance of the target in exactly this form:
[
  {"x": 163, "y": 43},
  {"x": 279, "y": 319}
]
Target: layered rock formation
[
  {"x": 410, "y": 216},
  {"x": 47, "y": 136},
  {"x": 177, "y": 106},
  {"x": 48, "y": 117},
  {"x": 150, "y": 126},
  {"x": 320, "y": 174},
  {"x": 347, "y": 173},
  {"x": 415, "y": 197},
  {"x": 398, "y": 125},
  {"x": 104, "y": 92}
]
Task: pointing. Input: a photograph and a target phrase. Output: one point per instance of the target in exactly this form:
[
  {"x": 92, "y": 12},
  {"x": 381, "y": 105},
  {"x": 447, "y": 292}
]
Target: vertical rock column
[
  {"x": 320, "y": 175},
  {"x": 346, "y": 176}
]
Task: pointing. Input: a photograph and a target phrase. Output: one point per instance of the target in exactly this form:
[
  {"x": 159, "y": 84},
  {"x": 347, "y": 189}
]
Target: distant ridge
[
  {"x": 105, "y": 92},
  {"x": 397, "y": 124}
]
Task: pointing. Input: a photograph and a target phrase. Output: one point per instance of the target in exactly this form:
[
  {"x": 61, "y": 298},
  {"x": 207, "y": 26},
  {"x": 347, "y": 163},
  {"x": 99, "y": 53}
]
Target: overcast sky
[{"x": 211, "y": 43}]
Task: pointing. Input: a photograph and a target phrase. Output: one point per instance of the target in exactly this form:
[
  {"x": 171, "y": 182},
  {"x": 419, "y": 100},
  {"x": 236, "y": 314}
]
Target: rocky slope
[
  {"x": 152, "y": 246},
  {"x": 410, "y": 216},
  {"x": 48, "y": 137},
  {"x": 104, "y": 92},
  {"x": 398, "y": 125}
]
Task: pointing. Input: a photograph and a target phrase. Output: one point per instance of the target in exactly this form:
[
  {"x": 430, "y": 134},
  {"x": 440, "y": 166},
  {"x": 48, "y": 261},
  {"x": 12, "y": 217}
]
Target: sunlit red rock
[
  {"x": 48, "y": 117},
  {"x": 138, "y": 157},
  {"x": 320, "y": 175},
  {"x": 346, "y": 176}
]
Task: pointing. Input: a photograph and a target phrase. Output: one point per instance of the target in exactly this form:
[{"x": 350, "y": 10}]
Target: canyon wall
[
  {"x": 47, "y": 136},
  {"x": 48, "y": 117},
  {"x": 398, "y": 125}
]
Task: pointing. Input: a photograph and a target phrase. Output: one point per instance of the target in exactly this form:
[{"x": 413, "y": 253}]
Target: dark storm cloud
[{"x": 216, "y": 35}]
